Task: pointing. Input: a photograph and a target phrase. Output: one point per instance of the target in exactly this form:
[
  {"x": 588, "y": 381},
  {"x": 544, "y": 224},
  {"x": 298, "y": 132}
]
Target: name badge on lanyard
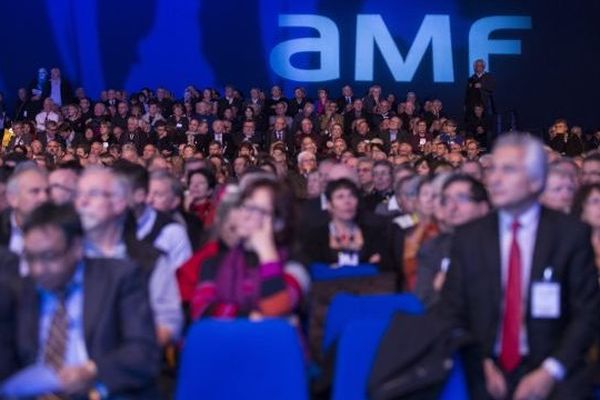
[
  {"x": 347, "y": 259},
  {"x": 545, "y": 297}
]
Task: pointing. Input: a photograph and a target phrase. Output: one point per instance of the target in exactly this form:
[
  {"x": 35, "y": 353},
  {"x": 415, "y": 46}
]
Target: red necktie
[{"x": 511, "y": 321}]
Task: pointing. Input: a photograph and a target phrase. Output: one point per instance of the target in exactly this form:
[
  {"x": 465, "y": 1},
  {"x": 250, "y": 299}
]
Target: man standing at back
[
  {"x": 522, "y": 283},
  {"x": 480, "y": 89}
]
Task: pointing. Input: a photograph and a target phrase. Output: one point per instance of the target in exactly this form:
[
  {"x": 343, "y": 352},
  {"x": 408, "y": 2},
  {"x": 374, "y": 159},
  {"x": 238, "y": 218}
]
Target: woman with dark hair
[
  {"x": 252, "y": 113},
  {"x": 587, "y": 207},
  {"x": 247, "y": 114},
  {"x": 179, "y": 121},
  {"x": 423, "y": 166},
  {"x": 250, "y": 277},
  {"x": 348, "y": 239},
  {"x": 198, "y": 200},
  {"x": 29, "y": 130},
  {"x": 87, "y": 138}
]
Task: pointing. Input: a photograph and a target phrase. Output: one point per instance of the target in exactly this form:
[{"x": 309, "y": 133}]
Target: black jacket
[
  {"x": 472, "y": 296},
  {"x": 118, "y": 327},
  {"x": 9, "y": 284}
]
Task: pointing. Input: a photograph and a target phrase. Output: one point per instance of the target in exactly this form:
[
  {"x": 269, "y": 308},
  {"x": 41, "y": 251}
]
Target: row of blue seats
[{"x": 242, "y": 359}]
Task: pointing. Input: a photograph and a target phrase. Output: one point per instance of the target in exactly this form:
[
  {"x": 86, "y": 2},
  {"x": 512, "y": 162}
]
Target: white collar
[
  {"x": 393, "y": 204},
  {"x": 526, "y": 219}
]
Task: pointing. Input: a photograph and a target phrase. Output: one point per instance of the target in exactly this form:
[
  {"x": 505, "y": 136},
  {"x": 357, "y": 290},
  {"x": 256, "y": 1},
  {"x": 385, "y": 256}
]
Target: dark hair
[
  {"x": 73, "y": 165},
  {"x": 64, "y": 217},
  {"x": 342, "y": 183},
  {"x": 84, "y": 146},
  {"x": 581, "y": 197},
  {"x": 560, "y": 121},
  {"x": 478, "y": 192},
  {"x": 208, "y": 175},
  {"x": 266, "y": 162},
  {"x": 422, "y": 160},
  {"x": 136, "y": 176},
  {"x": 65, "y": 127}
]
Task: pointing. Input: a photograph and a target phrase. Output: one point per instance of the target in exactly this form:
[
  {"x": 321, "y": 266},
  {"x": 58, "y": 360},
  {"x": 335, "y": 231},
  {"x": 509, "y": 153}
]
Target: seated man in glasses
[
  {"x": 463, "y": 199},
  {"x": 88, "y": 320}
]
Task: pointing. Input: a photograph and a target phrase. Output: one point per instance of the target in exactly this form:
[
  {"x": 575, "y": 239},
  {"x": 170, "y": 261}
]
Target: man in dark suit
[
  {"x": 480, "y": 89},
  {"x": 58, "y": 88},
  {"x": 89, "y": 320},
  {"x": 280, "y": 133},
  {"x": 357, "y": 112},
  {"x": 346, "y": 100},
  {"x": 522, "y": 283},
  {"x": 134, "y": 135},
  {"x": 9, "y": 275},
  {"x": 223, "y": 138},
  {"x": 395, "y": 133},
  {"x": 248, "y": 135},
  {"x": 463, "y": 199},
  {"x": 229, "y": 100}
]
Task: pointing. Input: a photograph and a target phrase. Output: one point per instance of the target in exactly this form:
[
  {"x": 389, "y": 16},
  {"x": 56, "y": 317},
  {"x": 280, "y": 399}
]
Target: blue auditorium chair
[
  {"x": 345, "y": 308},
  {"x": 323, "y": 272},
  {"x": 356, "y": 352},
  {"x": 243, "y": 360}
]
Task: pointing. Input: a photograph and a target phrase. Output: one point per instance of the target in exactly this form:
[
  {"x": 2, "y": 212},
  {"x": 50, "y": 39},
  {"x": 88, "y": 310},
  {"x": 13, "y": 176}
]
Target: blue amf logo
[{"x": 371, "y": 30}]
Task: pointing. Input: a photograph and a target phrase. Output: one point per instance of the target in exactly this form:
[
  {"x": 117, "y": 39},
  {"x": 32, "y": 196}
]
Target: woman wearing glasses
[{"x": 254, "y": 274}]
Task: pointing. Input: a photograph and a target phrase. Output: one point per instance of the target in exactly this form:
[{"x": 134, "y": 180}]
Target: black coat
[
  {"x": 288, "y": 139},
  {"x": 9, "y": 278},
  {"x": 482, "y": 95},
  {"x": 376, "y": 241}
]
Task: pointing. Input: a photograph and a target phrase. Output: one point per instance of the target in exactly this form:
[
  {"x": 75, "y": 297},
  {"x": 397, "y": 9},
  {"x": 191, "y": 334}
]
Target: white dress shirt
[
  {"x": 526, "y": 234},
  {"x": 526, "y": 237}
]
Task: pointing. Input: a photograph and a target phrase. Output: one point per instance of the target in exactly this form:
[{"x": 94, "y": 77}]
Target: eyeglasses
[
  {"x": 61, "y": 187},
  {"x": 44, "y": 257},
  {"x": 461, "y": 198},
  {"x": 256, "y": 210},
  {"x": 593, "y": 201},
  {"x": 95, "y": 193}
]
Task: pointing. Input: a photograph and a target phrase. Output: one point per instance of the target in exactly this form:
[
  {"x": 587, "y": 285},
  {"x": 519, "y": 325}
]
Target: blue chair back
[
  {"x": 356, "y": 351},
  {"x": 323, "y": 272},
  {"x": 244, "y": 360},
  {"x": 355, "y": 355},
  {"x": 345, "y": 308}
]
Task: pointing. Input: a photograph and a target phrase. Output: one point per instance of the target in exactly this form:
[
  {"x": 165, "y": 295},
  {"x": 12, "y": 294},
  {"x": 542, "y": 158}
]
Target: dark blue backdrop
[{"x": 136, "y": 43}]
